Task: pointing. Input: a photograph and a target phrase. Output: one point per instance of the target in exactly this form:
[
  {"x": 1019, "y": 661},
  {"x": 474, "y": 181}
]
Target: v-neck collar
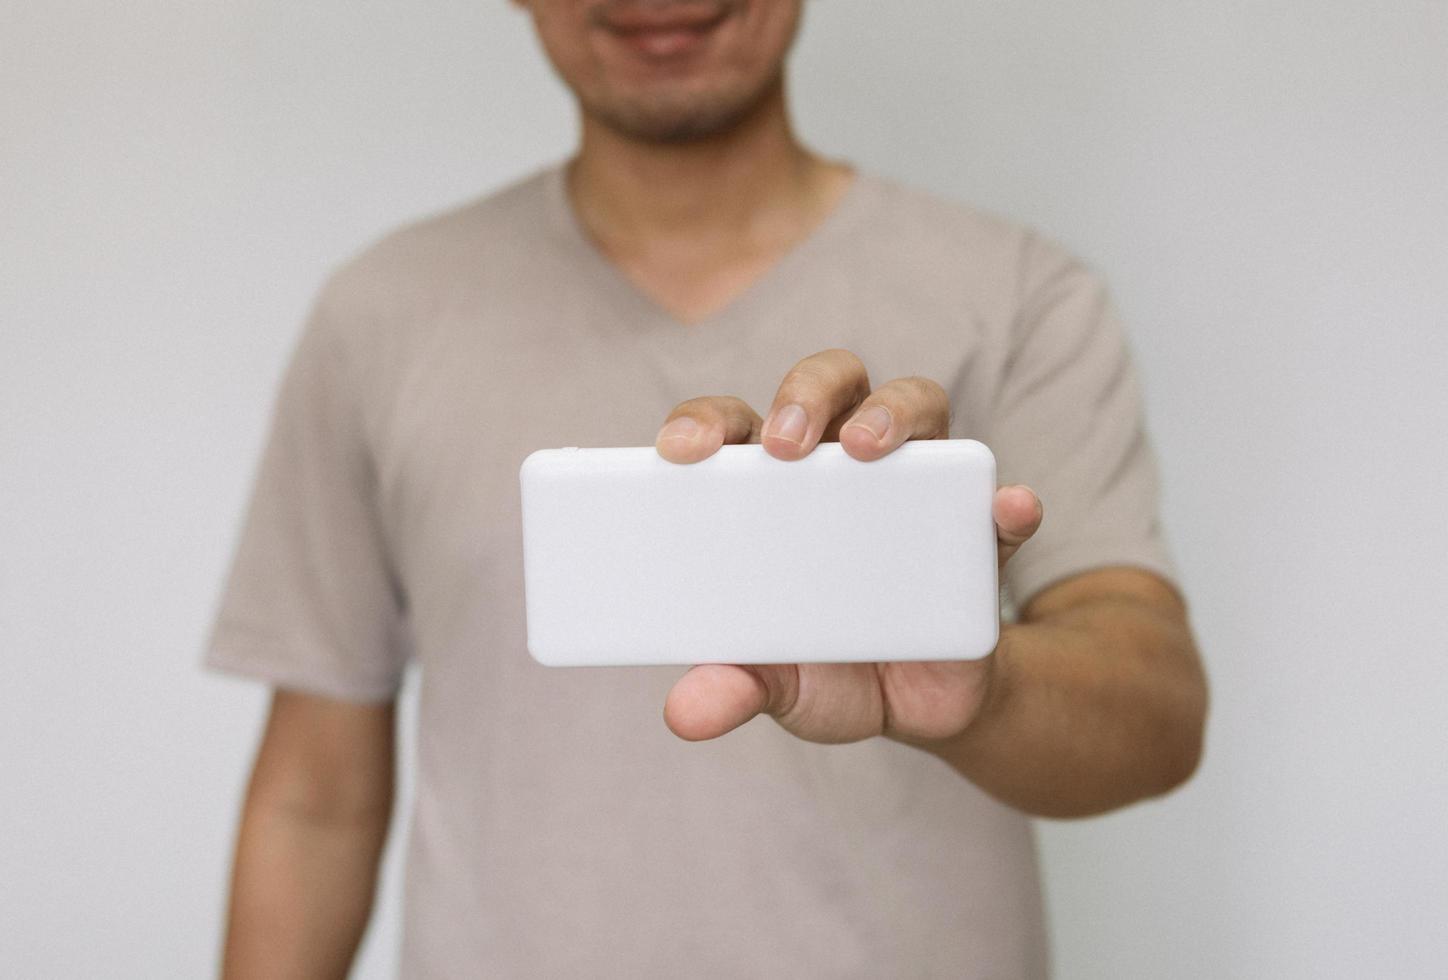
[{"x": 846, "y": 211}]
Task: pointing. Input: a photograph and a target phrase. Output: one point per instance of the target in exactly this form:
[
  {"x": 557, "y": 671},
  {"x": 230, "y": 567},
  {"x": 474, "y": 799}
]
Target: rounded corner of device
[
  {"x": 978, "y": 641},
  {"x": 542, "y": 657},
  {"x": 539, "y": 468},
  {"x": 980, "y": 449},
  {"x": 532, "y": 461},
  {"x": 989, "y": 640}
]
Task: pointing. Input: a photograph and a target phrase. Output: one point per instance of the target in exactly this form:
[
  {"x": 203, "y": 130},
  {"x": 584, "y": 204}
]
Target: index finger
[
  {"x": 816, "y": 392},
  {"x": 695, "y": 429}
]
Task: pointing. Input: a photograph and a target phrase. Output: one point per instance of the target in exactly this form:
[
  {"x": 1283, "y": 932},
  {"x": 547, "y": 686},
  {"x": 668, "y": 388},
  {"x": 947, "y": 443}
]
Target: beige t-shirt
[{"x": 559, "y": 829}]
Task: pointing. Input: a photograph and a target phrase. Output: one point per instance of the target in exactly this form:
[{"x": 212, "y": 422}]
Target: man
[{"x": 690, "y": 255}]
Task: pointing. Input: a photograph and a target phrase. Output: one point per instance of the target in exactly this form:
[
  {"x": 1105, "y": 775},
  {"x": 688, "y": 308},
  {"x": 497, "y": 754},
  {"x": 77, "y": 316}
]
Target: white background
[{"x": 1265, "y": 183}]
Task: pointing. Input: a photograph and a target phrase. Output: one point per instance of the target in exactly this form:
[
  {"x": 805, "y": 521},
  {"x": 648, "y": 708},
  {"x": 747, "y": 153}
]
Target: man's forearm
[
  {"x": 301, "y": 892},
  {"x": 1090, "y": 707},
  {"x": 312, "y": 830}
]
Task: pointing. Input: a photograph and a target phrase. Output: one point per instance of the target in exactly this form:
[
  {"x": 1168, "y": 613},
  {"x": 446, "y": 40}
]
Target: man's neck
[{"x": 742, "y": 183}]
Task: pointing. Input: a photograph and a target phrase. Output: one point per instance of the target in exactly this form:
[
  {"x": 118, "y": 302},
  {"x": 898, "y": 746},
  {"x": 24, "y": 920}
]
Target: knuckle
[
  {"x": 926, "y": 398},
  {"x": 828, "y": 376},
  {"x": 852, "y": 370},
  {"x": 736, "y": 406},
  {"x": 847, "y": 360},
  {"x": 705, "y": 406},
  {"x": 926, "y": 389},
  {"x": 803, "y": 382}
]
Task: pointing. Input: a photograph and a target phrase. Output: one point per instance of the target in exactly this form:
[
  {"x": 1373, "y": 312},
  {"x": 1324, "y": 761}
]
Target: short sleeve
[
  {"x": 312, "y": 601},
  {"x": 1068, "y": 422}
]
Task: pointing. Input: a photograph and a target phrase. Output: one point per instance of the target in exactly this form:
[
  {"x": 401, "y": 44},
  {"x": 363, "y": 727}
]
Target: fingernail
[
  {"x": 875, "y": 420},
  {"x": 682, "y": 427},
  {"x": 790, "y": 424}
]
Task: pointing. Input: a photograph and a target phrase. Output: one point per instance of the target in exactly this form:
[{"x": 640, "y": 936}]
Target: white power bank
[{"x": 743, "y": 558}]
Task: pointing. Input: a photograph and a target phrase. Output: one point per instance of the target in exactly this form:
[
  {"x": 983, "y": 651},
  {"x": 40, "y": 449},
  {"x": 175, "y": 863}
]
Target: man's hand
[
  {"x": 1095, "y": 699},
  {"x": 825, "y": 397}
]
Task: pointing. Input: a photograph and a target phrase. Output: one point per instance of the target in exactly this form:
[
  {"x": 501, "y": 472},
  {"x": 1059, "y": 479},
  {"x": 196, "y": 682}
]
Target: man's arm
[
  {"x": 312, "y": 830},
  {"x": 1096, "y": 699}
]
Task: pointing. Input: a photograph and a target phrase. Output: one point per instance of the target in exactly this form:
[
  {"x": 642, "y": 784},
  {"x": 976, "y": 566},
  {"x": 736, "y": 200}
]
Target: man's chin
[
  {"x": 678, "y": 121},
  {"x": 671, "y": 128}
]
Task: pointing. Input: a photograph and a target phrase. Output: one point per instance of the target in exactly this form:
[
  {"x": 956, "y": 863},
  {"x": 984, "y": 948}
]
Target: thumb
[
  {"x": 712, "y": 699},
  {"x": 1018, "y": 513}
]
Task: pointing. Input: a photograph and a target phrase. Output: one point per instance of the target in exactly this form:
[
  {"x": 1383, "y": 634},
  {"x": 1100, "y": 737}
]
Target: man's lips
[
  {"x": 662, "y": 30},
  {"x": 630, "y": 17}
]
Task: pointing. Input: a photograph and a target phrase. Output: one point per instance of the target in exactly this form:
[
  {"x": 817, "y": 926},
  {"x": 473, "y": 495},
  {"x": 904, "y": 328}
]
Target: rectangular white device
[{"x": 630, "y": 559}]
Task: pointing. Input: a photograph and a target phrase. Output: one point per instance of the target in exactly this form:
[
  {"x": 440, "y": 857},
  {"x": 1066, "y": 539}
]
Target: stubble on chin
[{"x": 681, "y": 118}]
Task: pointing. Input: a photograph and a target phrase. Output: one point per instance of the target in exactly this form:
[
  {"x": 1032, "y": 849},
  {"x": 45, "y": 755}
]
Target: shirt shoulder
[
  {"x": 924, "y": 213},
  {"x": 422, "y": 266},
  {"x": 921, "y": 235}
]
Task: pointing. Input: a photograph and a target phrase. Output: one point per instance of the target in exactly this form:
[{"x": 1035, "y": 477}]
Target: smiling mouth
[{"x": 661, "y": 30}]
